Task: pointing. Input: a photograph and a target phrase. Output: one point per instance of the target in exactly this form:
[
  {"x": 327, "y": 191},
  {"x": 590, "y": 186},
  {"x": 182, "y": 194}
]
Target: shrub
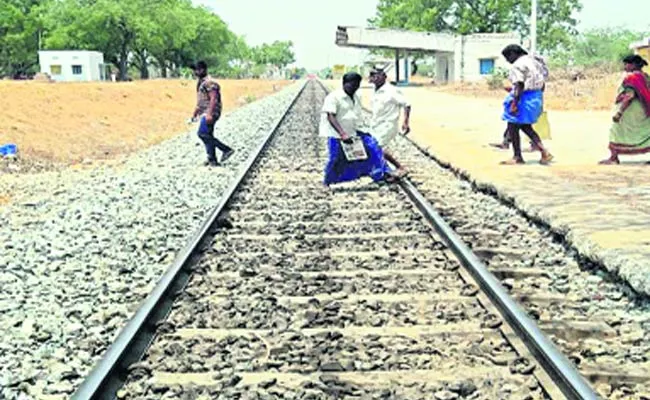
[{"x": 495, "y": 81}]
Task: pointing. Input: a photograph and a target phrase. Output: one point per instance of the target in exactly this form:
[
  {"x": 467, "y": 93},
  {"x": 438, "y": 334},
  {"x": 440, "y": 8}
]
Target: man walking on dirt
[
  {"x": 208, "y": 106},
  {"x": 386, "y": 104}
]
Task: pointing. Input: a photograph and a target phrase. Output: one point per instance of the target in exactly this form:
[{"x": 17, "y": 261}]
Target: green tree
[
  {"x": 281, "y": 53},
  {"x": 240, "y": 55},
  {"x": 297, "y": 73},
  {"x": 556, "y": 22},
  {"x": 132, "y": 34},
  {"x": 21, "y": 27},
  {"x": 109, "y": 26},
  {"x": 211, "y": 42},
  {"x": 601, "y": 47},
  {"x": 191, "y": 33},
  {"x": 172, "y": 29},
  {"x": 278, "y": 53},
  {"x": 169, "y": 33}
]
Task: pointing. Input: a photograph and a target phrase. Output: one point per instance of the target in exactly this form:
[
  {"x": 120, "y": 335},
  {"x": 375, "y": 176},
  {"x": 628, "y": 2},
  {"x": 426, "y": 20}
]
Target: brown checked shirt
[{"x": 203, "y": 89}]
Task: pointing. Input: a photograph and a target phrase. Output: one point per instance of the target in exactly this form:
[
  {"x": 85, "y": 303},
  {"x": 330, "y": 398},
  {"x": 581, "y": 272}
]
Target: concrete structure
[
  {"x": 642, "y": 48},
  {"x": 458, "y": 58},
  {"x": 72, "y": 65}
]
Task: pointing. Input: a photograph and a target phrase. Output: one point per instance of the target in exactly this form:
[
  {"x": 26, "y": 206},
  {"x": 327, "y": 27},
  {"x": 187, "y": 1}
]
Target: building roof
[
  {"x": 70, "y": 51},
  {"x": 641, "y": 43},
  {"x": 380, "y": 38}
]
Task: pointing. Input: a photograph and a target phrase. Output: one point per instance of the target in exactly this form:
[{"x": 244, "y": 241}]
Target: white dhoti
[
  {"x": 385, "y": 133},
  {"x": 387, "y": 103}
]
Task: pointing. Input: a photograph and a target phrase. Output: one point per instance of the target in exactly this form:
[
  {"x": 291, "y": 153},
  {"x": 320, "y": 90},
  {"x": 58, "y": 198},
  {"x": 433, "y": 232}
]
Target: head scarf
[
  {"x": 635, "y": 60},
  {"x": 514, "y": 49}
]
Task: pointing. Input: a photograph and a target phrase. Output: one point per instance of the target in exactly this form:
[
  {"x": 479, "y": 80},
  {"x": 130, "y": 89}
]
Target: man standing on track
[
  {"x": 386, "y": 104},
  {"x": 208, "y": 106},
  {"x": 340, "y": 123}
]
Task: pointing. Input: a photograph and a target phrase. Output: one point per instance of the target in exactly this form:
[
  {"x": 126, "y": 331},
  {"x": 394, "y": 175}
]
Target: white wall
[
  {"x": 444, "y": 67},
  {"x": 89, "y": 61},
  {"x": 404, "y": 67},
  {"x": 485, "y": 46},
  {"x": 96, "y": 66},
  {"x": 464, "y": 63}
]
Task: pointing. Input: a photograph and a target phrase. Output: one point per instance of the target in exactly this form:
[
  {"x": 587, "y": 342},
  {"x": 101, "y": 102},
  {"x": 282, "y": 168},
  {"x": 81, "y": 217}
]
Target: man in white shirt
[
  {"x": 341, "y": 113},
  {"x": 387, "y": 102},
  {"x": 341, "y": 121}
]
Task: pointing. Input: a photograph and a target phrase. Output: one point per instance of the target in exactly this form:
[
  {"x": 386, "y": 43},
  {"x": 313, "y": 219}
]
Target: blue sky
[{"x": 311, "y": 24}]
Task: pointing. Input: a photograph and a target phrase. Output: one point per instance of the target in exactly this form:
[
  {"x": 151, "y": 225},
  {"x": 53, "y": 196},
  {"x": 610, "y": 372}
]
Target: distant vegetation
[
  {"x": 556, "y": 22},
  {"x": 133, "y": 35},
  {"x": 597, "y": 48}
]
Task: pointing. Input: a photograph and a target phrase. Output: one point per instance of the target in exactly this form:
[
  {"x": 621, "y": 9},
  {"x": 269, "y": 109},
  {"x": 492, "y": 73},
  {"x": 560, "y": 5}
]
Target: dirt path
[{"x": 72, "y": 122}]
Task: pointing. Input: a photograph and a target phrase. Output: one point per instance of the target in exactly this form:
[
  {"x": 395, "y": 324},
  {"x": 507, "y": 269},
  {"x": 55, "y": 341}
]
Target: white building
[
  {"x": 72, "y": 65},
  {"x": 457, "y": 57}
]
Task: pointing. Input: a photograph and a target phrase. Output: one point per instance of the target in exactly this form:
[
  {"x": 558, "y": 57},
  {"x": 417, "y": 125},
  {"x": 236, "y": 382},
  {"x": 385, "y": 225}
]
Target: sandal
[
  {"x": 400, "y": 174},
  {"x": 390, "y": 177},
  {"x": 513, "y": 161},
  {"x": 546, "y": 159}
]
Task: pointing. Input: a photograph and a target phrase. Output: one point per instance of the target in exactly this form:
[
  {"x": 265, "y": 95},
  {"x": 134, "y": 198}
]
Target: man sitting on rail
[
  {"x": 386, "y": 104},
  {"x": 352, "y": 153},
  {"x": 208, "y": 105}
]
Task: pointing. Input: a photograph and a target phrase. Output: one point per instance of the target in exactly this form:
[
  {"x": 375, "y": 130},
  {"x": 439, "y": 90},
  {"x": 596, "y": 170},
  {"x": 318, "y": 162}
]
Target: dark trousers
[
  {"x": 507, "y": 140},
  {"x": 206, "y": 134},
  {"x": 513, "y": 134}
]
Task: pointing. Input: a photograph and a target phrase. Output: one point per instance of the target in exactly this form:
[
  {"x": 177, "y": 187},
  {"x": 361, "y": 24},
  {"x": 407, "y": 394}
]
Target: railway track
[
  {"x": 598, "y": 322},
  {"x": 292, "y": 291}
]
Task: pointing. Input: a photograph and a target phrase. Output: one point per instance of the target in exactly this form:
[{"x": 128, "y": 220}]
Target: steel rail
[
  {"x": 567, "y": 378},
  {"x": 557, "y": 366},
  {"x": 110, "y": 373}
]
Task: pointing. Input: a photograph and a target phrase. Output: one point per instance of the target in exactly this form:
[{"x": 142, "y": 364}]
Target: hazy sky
[{"x": 311, "y": 24}]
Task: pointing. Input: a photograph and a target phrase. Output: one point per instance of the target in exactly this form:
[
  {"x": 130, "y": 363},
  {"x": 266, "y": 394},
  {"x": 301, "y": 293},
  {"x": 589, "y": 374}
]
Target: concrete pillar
[
  {"x": 457, "y": 70},
  {"x": 406, "y": 67},
  {"x": 396, "y": 65}
]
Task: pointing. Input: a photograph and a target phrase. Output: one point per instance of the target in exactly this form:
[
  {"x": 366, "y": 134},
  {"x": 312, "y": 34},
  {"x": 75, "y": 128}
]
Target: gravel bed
[
  {"x": 412, "y": 242},
  {"x": 584, "y": 292},
  {"x": 377, "y": 261},
  {"x": 333, "y": 228},
  {"x": 267, "y": 312},
  {"x": 82, "y": 248},
  {"x": 20, "y": 165},
  {"x": 284, "y": 283},
  {"x": 227, "y": 386},
  {"x": 315, "y": 213},
  {"x": 327, "y": 351}
]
